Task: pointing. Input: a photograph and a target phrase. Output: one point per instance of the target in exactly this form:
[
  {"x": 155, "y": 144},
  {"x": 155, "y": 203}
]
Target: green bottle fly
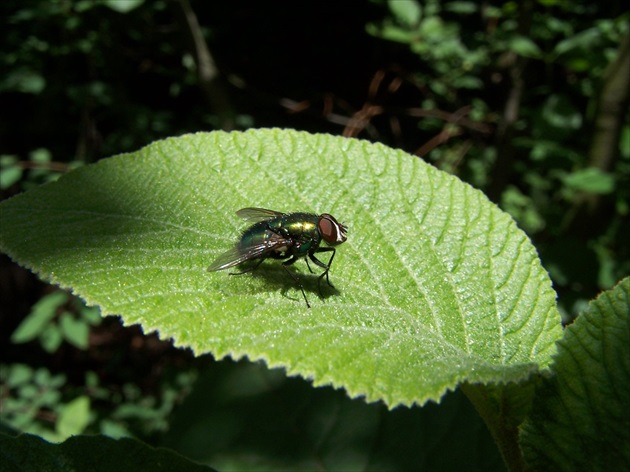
[{"x": 291, "y": 236}]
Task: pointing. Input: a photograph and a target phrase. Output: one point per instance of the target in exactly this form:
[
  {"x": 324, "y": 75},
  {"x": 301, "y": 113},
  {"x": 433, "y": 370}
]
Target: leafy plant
[
  {"x": 30, "y": 397},
  {"x": 38, "y": 402},
  {"x": 51, "y": 323},
  {"x": 436, "y": 287}
]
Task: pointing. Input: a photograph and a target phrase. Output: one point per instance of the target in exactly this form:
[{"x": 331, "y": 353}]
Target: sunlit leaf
[{"x": 434, "y": 286}]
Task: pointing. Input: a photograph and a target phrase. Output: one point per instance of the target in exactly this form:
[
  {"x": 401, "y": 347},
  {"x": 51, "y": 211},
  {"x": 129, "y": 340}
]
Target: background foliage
[{"x": 510, "y": 97}]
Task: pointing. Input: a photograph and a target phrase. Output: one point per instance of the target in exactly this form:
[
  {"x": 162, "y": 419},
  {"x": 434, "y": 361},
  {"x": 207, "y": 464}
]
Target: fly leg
[
  {"x": 295, "y": 277},
  {"x": 326, "y": 267},
  {"x": 308, "y": 265}
]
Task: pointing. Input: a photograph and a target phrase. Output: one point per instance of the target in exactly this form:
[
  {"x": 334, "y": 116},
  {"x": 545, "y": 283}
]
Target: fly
[{"x": 291, "y": 236}]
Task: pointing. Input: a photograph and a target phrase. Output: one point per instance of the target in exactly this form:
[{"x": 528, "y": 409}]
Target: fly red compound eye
[{"x": 332, "y": 231}]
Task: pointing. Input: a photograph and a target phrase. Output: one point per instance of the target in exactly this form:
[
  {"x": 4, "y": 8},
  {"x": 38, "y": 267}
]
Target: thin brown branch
[
  {"x": 515, "y": 66},
  {"x": 208, "y": 74},
  {"x": 612, "y": 107},
  {"x": 52, "y": 166}
]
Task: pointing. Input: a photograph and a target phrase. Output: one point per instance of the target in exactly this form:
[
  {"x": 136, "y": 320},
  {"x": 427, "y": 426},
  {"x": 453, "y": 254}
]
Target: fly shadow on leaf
[{"x": 276, "y": 275}]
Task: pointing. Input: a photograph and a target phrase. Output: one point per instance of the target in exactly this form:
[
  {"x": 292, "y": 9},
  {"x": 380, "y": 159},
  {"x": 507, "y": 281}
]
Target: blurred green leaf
[
  {"x": 586, "y": 398},
  {"x": 390, "y": 32},
  {"x": 525, "y": 47},
  {"x": 92, "y": 314},
  {"x": 75, "y": 331},
  {"x": 17, "y": 374},
  {"x": 74, "y": 417},
  {"x": 123, "y": 6},
  {"x": 40, "y": 155},
  {"x": 51, "y": 338},
  {"x": 522, "y": 208},
  {"x": 9, "y": 175},
  {"x": 24, "y": 81},
  {"x": 444, "y": 289},
  {"x": 10, "y": 171},
  {"x": 560, "y": 113},
  {"x": 464, "y": 8},
  {"x": 590, "y": 180},
  {"x": 407, "y": 13},
  {"x": 7, "y": 160},
  {"x": 113, "y": 429},
  {"x": 38, "y": 320},
  {"x": 587, "y": 40}
]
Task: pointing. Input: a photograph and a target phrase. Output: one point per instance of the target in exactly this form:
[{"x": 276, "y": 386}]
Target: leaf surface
[
  {"x": 434, "y": 286},
  {"x": 587, "y": 398}
]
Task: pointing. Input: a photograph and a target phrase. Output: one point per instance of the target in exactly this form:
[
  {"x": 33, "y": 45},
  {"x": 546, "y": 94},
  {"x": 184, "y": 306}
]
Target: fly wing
[
  {"x": 228, "y": 259},
  {"x": 254, "y": 215},
  {"x": 240, "y": 254}
]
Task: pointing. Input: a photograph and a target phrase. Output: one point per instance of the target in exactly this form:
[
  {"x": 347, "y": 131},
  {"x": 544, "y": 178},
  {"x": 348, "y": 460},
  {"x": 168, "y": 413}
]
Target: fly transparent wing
[
  {"x": 254, "y": 215},
  {"x": 240, "y": 254},
  {"x": 230, "y": 258}
]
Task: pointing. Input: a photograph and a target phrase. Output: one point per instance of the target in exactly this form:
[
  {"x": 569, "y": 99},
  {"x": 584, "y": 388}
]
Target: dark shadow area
[
  {"x": 276, "y": 278},
  {"x": 251, "y": 414}
]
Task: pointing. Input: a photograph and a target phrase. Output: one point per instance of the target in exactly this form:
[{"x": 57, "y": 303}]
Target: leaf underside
[
  {"x": 94, "y": 453},
  {"x": 434, "y": 286},
  {"x": 580, "y": 414}
]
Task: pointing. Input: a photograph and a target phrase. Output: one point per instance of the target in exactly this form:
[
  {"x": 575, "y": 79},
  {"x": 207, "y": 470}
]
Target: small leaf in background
[
  {"x": 113, "y": 429},
  {"x": 51, "y": 338},
  {"x": 434, "y": 286},
  {"x": 580, "y": 414},
  {"x": 40, "y": 156},
  {"x": 74, "y": 417},
  {"x": 91, "y": 314},
  {"x": 28, "y": 393},
  {"x": 75, "y": 331},
  {"x": 43, "y": 170},
  {"x": 523, "y": 209},
  {"x": 123, "y": 6},
  {"x": 16, "y": 374},
  {"x": 40, "y": 317},
  {"x": 407, "y": 13},
  {"x": 590, "y": 180},
  {"x": 466, "y": 8},
  {"x": 523, "y": 46},
  {"x": 23, "y": 80},
  {"x": 10, "y": 171},
  {"x": 559, "y": 113}
]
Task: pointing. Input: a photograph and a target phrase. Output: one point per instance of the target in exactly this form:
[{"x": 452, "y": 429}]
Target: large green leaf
[
  {"x": 581, "y": 413},
  {"x": 434, "y": 286}
]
